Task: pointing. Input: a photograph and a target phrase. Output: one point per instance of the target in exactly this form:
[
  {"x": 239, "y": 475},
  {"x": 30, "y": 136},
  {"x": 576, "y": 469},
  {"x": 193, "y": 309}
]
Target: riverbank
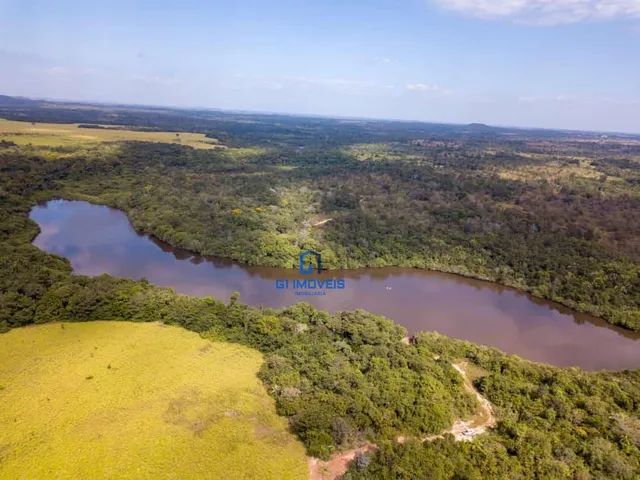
[{"x": 97, "y": 239}]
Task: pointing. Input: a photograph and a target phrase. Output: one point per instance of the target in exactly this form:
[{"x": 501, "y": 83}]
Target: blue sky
[{"x": 540, "y": 63}]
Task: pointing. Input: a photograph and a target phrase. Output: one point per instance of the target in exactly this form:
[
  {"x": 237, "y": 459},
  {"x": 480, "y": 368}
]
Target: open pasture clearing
[
  {"x": 136, "y": 401},
  {"x": 72, "y": 134}
]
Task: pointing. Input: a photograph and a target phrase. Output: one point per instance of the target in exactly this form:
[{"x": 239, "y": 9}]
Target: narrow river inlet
[{"x": 97, "y": 239}]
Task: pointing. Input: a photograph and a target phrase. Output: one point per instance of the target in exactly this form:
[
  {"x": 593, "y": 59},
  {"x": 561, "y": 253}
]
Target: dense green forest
[
  {"x": 345, "y": 378},
  {"x": 553, "y": 424},
  {"x": 552, "y": 214}
]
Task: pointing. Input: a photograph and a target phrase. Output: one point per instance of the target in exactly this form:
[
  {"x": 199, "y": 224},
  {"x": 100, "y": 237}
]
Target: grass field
[
  {"x": 65, "y": 135},
  {"x": 136, "y": 401}
]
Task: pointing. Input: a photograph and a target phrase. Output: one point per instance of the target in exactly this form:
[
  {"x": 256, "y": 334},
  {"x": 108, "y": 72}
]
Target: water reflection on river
[{"x": 97, "y": 239}]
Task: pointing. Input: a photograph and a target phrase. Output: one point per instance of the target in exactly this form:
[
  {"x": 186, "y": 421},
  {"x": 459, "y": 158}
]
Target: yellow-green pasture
[
  {"x": 71, "y": 134},
  {"x": 126, "y": 400}
]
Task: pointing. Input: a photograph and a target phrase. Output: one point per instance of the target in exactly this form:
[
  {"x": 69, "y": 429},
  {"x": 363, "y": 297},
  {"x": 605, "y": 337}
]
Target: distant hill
[
  {"x": 481, "y": 127},
  {"x": 7, "y": 100}
]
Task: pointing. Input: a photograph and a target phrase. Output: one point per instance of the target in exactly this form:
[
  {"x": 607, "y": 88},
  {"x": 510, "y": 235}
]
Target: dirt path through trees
[{"x": 462, "y": 430}]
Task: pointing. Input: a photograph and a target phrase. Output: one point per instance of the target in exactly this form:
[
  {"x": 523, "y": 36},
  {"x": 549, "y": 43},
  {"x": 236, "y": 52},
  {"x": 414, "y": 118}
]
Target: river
[{"x": 97, "y": 239}]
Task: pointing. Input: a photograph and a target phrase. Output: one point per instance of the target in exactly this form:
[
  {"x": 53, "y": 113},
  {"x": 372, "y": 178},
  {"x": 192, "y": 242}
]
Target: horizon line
[{"x": 316, "y": 115}]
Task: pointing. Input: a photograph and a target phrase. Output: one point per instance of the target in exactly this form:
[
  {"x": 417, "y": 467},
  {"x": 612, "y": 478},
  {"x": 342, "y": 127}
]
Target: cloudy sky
[{"x": 541, "y": 63}]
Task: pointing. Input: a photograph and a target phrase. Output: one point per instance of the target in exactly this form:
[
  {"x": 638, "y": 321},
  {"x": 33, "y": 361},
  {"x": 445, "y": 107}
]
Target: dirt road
[{"x": 462, "y": 430}]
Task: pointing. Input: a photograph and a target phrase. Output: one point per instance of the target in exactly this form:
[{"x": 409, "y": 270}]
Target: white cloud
[
  {"x": 155, "y": 79},
  {"x": 546, "y": 12},
  {"x": 431, "y": 88},
  {"x": 423, "y": 87}
]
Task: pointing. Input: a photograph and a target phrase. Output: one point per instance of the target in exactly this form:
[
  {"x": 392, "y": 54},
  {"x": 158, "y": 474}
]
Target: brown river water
[{"x": 97, "y": 239}]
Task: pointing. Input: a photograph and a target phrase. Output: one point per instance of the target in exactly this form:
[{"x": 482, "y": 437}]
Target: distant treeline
[
  {"x": 243, "y": 128},
  {"x": 116, "y": 127}
]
